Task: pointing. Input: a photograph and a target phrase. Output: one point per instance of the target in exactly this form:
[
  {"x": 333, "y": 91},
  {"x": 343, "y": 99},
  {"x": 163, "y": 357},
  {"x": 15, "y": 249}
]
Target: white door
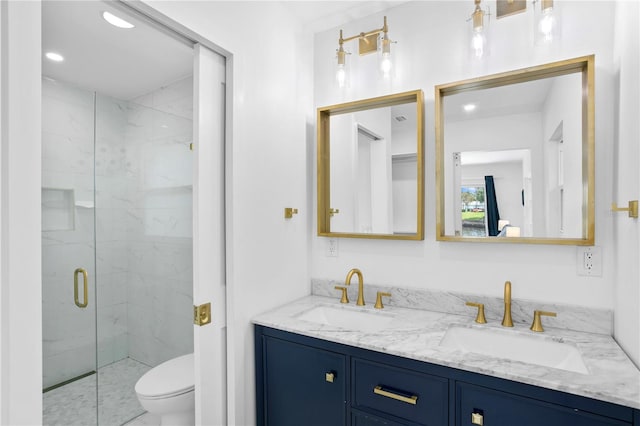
[{"x": 209, "y": 235}]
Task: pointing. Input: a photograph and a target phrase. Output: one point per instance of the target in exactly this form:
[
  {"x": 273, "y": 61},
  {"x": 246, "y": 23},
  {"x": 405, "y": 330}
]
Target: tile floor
[
  {"x": 147, "y": 419},
  {"x": 75, "y": 404}
]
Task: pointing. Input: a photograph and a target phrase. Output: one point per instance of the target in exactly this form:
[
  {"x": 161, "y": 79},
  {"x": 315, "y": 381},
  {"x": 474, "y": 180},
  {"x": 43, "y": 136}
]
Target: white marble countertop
[{"x": 416, "y": 334}]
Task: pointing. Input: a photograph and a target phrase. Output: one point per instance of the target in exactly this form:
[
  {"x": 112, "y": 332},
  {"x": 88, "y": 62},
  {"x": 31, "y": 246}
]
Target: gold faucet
[
  {"x": 480, "y": 318},
  {"x": 379, "y": 296},
  {"x": 347, "y": 281},
  {"x": 506, "y": 319},
  {"x": 537, "y": 322},
  {"x": 344, "y": 298}
]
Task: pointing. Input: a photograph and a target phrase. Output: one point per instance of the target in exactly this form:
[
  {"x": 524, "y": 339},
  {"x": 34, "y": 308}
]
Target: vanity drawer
[{"x": 405, "y": 394}]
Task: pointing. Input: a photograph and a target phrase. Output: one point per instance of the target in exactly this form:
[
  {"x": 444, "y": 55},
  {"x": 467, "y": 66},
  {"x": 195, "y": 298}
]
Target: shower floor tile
[{"x": 75, "y": 404}]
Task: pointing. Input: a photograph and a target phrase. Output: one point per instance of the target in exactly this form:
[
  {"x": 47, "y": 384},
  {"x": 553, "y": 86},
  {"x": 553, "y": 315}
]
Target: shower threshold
[{"x": 66, "y": 382}]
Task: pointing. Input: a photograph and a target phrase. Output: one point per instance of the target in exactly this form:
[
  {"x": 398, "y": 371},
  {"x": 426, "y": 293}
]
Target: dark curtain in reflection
[{"x": 493, "y": 216}]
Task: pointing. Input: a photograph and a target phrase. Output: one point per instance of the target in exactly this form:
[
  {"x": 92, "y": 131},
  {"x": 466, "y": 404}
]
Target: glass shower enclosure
[{"x": 116, "y": 246}]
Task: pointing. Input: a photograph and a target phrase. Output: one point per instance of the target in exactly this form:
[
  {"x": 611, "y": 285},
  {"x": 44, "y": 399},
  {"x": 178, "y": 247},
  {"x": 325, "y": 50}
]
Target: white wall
[
  {"x": 20, "y": 290},
  {"x": 626, "y": 177},
  {"x": 431, "y": 50},
  {"x": 272, "y": 134}
]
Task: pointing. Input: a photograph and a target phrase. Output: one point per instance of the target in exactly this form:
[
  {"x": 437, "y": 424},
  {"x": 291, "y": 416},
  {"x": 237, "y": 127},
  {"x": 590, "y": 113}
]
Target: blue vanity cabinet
[
  {"x": 376, "y": 389},
  {"x": 301, "y": 385}
]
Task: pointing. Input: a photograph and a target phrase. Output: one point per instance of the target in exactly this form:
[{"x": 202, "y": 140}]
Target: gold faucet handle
[
  {"x": 480, "y": 318},
  {"x": 537, "y": 322},
  {"x": 379, "y": 296},
  {"x": 344, "y": 298}
]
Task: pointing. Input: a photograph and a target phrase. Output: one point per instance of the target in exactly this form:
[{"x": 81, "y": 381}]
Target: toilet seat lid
[{"x": 172, "y": 377}]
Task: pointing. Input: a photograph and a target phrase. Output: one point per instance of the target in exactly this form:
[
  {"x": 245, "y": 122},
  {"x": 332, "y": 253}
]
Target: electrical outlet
[
  {"x": 589, "y": 261},
  {"x": 332, "y": 247}
]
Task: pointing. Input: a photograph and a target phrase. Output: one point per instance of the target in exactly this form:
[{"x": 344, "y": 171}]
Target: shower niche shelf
[{"x": 58, "y": 209}]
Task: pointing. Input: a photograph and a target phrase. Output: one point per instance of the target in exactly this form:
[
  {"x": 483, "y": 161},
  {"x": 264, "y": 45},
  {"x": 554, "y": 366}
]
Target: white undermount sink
[
  {"x": 357, "y": 319},
  {"x": 514, "y": 346}
]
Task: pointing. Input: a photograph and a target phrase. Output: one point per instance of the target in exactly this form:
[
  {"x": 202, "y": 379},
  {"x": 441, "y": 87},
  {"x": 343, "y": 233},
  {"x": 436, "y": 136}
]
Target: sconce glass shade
[
  {"x": 342, "y": 72},
  {"x": 478, "y": 43},
  {"x": 546, "y": 22},
  {"x": 386, "y": 63},
  {"x": 479, "y": 47}
]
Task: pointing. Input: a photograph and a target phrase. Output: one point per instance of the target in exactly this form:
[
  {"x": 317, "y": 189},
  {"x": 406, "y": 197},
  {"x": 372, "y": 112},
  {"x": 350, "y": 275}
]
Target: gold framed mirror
[
  {"x": 515, "y": 156},
  {"x": 371, "y": 168}
]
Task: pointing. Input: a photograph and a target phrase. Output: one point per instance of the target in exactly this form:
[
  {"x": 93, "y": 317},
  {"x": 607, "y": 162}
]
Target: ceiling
[
  {"x": 497, "y": 101},
  {"x": 123, "y": 63},
  {"x": 317, "y": 16},
  {"x": 127, "y": 63}
]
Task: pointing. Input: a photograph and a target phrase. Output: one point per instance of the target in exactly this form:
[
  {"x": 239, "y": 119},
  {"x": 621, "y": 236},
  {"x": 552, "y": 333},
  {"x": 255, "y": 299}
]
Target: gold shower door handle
[{"x": 85, "y": 279}]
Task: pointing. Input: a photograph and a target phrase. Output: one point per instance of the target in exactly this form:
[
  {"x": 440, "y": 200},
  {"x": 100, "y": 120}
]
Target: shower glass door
[{"x": 68, "y": 256}]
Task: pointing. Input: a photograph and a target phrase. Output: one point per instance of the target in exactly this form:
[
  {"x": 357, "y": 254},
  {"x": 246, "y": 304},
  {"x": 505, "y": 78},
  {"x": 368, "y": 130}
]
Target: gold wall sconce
[
  {"x": 509, "y": 7},
  {"x": 632, "y": 209},
  {"x": 546, "y": 22},
  {"x": 368, "y": 42},
  {"x": 289, "y": 212}
]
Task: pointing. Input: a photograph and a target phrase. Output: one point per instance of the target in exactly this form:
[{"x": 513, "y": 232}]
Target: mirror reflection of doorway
[{"x": 372, "y": 183}]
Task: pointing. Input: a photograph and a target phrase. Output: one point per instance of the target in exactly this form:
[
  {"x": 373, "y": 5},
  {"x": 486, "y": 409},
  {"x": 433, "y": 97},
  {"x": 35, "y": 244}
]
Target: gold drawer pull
[{"x": 413, "y": 399}]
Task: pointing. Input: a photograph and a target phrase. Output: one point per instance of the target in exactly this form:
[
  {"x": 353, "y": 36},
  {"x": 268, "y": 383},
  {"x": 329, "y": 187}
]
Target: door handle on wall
[{"x": 85, "y": 279}]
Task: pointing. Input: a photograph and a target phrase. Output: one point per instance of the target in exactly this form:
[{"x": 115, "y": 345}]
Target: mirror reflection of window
[{"x": 473, "y": 214}]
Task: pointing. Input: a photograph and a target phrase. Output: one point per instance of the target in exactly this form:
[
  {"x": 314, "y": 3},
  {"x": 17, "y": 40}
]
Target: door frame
[
  {"x": 20, "y": 198},
  {"x": 210, "y": 408}
]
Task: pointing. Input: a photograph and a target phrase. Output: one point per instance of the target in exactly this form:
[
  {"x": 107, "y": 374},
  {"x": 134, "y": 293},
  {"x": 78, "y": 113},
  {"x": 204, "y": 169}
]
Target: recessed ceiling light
[
  {"x": 116, "y": 21},
  {"x": 53, "y": 56},
  {"x": 469, "y": 107}
]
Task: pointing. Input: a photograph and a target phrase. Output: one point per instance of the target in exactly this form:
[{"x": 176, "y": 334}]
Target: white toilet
[{"x": 167, "y": 391}]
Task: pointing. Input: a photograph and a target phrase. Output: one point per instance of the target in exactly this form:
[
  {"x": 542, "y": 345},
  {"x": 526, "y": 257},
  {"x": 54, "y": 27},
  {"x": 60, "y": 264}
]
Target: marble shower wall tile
[
  {"x": 142, "y": 211},
  {"x": 159, "y": 168},
  {"x": 571, "y": 317},
  {"x": 175, "y": 98}
]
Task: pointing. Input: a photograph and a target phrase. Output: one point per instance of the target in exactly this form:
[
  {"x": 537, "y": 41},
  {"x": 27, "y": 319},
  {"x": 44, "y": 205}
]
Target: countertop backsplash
[{"x": 570, "y": 317}]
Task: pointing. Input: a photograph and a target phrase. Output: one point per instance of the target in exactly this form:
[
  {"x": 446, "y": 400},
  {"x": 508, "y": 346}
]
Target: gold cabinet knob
[
  {"x": 480, "y": 318},
  {"x": 477, "y": 419},
  {"x": 537, "y": 322},
  {"x": 344, "y": 298},
  {"x": 330, "y": 376},
  {"x": 379, "y": 296},
  {"x": 333, "y": 211}
]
